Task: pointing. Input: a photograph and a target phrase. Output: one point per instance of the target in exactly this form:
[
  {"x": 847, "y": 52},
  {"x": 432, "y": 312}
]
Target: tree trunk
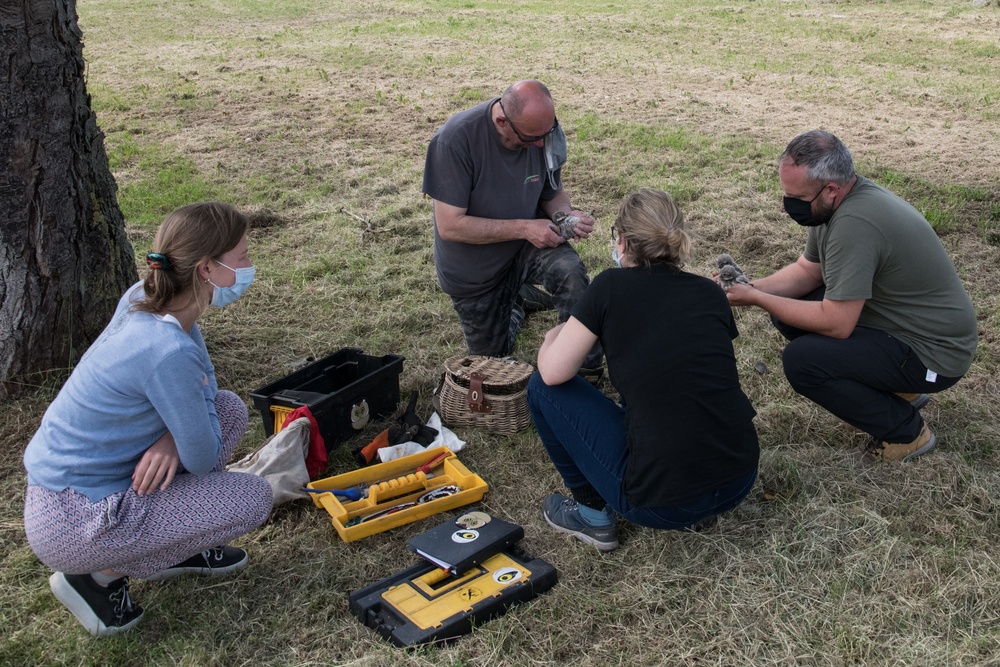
[{"x": 64, "y": 256}]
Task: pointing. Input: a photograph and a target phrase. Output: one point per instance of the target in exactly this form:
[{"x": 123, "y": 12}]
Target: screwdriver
[{"x": 433, "y": 463}]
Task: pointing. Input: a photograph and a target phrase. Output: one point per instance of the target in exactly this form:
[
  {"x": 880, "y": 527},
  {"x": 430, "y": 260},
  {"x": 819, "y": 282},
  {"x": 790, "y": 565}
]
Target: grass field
[{"x": 314, "y": 117}]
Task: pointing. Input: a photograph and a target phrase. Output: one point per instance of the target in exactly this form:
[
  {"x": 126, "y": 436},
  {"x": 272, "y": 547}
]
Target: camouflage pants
[{"x": 491, "y": 321}]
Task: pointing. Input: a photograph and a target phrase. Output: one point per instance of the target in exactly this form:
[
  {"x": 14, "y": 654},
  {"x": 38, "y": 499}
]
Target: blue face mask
[
  {"x": 223, "y": 296},
  {"x": 614, "y": 256}
]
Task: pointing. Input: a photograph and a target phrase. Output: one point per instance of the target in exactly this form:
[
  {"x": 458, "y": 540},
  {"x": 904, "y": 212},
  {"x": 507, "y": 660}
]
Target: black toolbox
[{"x": 344, "y": 391}]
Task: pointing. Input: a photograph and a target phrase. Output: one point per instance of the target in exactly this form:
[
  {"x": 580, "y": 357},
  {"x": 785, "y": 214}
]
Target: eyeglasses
[
  {"x": 614, "y": 233},
  {"x": 527, "y": 140}
]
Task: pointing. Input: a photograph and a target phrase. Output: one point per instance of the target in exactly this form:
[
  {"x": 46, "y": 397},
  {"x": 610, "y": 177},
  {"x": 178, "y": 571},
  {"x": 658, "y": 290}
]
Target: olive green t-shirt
[{"x": 879, "y": 248}]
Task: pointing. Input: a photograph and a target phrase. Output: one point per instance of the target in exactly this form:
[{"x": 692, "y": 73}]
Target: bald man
[{"x": 494, "y": 174}]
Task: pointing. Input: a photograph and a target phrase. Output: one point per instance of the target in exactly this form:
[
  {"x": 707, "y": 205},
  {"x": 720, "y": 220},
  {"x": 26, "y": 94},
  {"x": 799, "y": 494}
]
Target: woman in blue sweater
[{"x": 125, "y": 473}]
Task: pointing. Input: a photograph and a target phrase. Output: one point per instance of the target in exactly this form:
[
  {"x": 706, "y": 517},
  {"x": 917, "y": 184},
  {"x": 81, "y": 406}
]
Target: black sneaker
[
  {"x": 209, "y": 563},
  {"x": 534, "y": 300},
  {"x": 704, "y": 524},
  {"x": 103, "y": 611}
]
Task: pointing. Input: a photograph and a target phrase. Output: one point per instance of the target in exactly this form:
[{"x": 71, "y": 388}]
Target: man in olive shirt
[{"x": 875, "y": 312}]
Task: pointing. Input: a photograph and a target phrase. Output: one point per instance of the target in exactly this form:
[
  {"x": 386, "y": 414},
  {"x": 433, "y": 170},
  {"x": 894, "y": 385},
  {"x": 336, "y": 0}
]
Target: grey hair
[{"x": 825, "y": 157}]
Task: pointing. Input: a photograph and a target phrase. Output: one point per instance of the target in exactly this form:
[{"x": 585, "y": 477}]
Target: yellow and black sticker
[
  {"x": 507, "y": 575},
  {"x": 464, "y": 536}
]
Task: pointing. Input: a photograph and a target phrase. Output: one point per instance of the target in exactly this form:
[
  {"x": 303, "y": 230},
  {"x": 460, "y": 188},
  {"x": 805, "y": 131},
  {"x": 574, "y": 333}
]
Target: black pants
[{"x": 856, "y": 378}]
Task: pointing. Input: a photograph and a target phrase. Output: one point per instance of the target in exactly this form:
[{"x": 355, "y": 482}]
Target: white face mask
[{"x": 223, "y": 296}]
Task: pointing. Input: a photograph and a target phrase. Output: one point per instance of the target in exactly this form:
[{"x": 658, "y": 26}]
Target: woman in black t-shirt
[{"x": 681, "y": 448}]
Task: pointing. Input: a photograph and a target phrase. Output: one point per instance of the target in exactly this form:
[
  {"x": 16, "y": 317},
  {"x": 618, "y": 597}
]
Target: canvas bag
[
  {"x": 485, "y": 392},
  {"x": 281, "y": 460}
]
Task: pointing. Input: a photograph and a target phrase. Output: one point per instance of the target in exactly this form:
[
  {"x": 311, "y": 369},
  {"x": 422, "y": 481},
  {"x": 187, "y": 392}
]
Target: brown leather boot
[{"x": 902, "y": 451}]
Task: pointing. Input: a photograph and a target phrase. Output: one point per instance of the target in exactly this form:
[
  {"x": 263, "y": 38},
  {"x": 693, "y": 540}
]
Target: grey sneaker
[
  {"x": 103, "y": 611},
  {"x": 211, "y": 562},
  {"x": 563, "y": 514}
]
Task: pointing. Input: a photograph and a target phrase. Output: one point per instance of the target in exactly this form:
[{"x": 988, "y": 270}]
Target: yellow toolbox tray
[{"x": 392, "y": 484}]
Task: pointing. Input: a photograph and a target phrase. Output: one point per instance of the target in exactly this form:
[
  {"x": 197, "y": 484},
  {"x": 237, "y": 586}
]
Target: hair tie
[{"x": 156, "y": 260}]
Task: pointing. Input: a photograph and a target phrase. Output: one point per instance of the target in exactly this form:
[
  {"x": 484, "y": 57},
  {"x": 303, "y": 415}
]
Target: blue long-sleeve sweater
[{"x": 143, "y": 376}]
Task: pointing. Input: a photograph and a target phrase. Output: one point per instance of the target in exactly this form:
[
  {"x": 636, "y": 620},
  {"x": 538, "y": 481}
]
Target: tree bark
[{"x": 64, "y": 256}]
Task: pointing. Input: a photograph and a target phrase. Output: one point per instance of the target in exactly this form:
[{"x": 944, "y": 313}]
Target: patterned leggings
[{"x": 140, "y": 535}]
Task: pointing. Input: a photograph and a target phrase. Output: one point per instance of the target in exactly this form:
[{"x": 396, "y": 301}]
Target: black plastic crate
[{"x": 344, "y": 391}]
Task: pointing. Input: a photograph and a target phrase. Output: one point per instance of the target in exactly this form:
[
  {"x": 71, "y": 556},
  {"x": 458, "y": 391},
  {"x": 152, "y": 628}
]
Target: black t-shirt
[{"x": 667, "y": 336}]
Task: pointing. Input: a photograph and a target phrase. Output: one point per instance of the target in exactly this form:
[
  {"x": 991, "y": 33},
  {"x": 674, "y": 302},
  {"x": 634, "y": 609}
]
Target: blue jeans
[{"x": 584, "y": 433}]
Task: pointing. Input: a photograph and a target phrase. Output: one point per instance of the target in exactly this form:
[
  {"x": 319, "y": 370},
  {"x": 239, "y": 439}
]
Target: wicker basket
[{"x": 486, "y": 392}]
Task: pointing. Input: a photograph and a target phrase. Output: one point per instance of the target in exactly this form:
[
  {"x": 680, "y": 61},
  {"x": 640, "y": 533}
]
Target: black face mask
[{"x": 801, "y": 212}]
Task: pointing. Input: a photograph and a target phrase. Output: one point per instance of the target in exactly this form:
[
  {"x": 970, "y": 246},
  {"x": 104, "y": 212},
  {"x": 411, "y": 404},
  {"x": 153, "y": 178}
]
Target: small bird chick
[
  {"x": 727, "y": 260},
  {"x": 567, "y": 224},
  {"x": 729, "y": 276}
]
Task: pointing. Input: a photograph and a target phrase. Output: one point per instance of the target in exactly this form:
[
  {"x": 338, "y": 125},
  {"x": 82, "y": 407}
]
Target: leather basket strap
[{"x": 476, "y": 399}]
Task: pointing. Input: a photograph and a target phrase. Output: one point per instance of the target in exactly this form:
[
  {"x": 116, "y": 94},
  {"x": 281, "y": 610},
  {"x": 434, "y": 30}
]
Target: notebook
[{"x": 460, "y": 544}]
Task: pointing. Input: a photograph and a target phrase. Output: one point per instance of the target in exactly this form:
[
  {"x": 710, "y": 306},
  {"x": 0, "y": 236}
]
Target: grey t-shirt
[
  {"x": 467, "y": 166},
  {"x": 879, "y": 248}
]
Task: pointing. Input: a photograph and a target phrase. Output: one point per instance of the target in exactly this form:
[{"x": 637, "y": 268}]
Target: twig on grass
[{"x": 368, "y": 225}]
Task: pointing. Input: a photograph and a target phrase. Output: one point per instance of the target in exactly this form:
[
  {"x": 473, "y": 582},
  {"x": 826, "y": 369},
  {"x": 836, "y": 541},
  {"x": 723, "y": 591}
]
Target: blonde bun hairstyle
[{"x": 653, "y": 229}]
